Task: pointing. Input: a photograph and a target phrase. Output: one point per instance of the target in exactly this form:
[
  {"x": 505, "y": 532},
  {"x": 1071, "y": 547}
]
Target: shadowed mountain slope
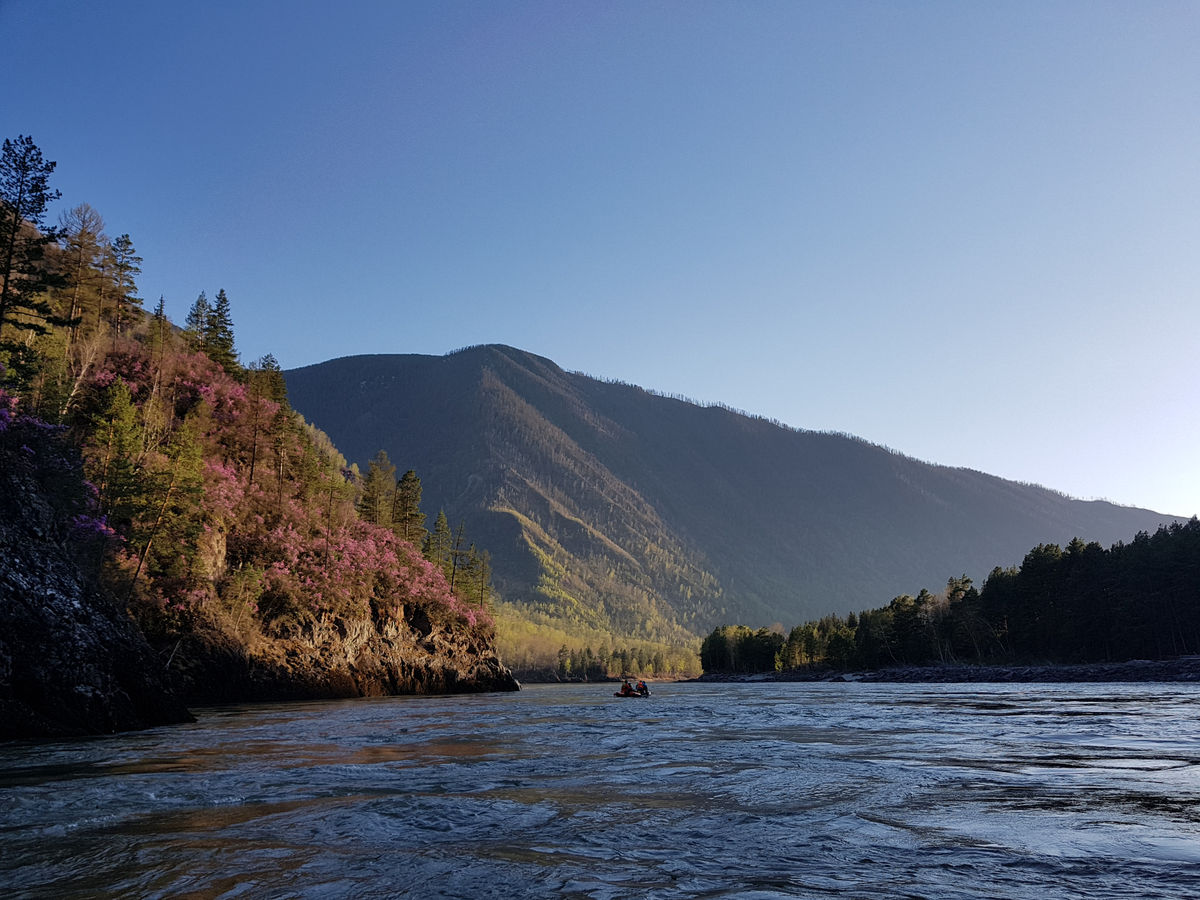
[{"x": 606, "y": 505}]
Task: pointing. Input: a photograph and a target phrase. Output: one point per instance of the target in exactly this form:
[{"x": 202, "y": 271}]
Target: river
[{"x": 707, "y": 791}]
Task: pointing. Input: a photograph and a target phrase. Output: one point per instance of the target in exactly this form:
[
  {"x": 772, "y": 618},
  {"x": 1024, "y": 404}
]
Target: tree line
[
  {"x": 575, "y": 664},
  {"x": 1078, "y": 604},
  {"x": 395, "y": 503}
]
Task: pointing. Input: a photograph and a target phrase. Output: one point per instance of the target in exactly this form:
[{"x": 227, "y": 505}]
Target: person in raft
[
  {"x": 627, "y": 689},
  {"x": 642, "y": 689}
]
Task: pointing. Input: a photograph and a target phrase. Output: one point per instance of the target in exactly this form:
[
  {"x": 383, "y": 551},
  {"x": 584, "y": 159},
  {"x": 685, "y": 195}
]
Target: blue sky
[{"x": 967, "y": 231}]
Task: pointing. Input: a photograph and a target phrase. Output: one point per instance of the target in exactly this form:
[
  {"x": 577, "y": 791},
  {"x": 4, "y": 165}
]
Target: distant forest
[{"x": 1084, "y": 604}]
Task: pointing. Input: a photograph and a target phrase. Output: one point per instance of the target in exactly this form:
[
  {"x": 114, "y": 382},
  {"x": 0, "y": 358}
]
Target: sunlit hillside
[{"x": 610, "y": 509}]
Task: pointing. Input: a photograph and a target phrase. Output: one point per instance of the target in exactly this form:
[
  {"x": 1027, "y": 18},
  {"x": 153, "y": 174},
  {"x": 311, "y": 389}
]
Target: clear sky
[{"x": 967, "y": 231}]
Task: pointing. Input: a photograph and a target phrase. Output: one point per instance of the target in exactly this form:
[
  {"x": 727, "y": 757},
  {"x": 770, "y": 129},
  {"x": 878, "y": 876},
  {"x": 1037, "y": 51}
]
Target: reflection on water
[{"x": 789, "y": 790}]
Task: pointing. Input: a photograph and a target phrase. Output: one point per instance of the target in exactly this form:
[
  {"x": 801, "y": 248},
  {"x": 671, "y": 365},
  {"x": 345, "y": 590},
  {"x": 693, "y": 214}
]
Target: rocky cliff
[
  {"x": 338, "y": 657},
  {"x": 71, "y": 659}
]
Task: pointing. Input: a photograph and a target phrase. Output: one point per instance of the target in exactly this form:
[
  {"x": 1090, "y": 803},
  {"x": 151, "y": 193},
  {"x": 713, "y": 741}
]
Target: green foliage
[
  {"x": 233, "y": 514},
  {"x": 439, "y": 543},
  {"x": 125, "y": 266},
  {"x": 217, "y": 509},
  {"x": 196, "y": 323},
  {"x": 378, "y": 498},
  {"x": 266, "y": 379},
  {"x": 537, "y": 648},
  {"x": 407, "y": 518},
  {"x": 25, "y": 272},
  {"x": 84, "y": 246},
  {"x": 209, "y": 330},
  {"x": 218, "y": 335},
  {"x": 736, "y": 649},
  {"x": 116, "y": 454}
]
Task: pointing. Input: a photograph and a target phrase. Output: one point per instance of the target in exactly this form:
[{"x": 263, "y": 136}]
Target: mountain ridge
[{"x": 607, "y": 503}]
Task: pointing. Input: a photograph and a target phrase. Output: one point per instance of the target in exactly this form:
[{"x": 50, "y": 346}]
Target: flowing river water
[{"x": 701, "y": 790}]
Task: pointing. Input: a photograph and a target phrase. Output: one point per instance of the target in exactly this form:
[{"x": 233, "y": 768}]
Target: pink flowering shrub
[
  {"x": 350, "y": 570},
  {"x": 233, "y": 508}
]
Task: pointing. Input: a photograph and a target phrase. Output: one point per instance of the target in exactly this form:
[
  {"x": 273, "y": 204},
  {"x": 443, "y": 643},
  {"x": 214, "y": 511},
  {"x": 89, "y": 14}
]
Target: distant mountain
[{"x": 609, "y": 506}]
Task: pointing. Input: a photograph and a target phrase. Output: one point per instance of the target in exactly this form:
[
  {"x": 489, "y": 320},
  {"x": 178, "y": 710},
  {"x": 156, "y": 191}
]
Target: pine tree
[
  {"x": 265, "y": 380},
  {"x": 379, "y": 488},
  {"x": 218, "y": 335},
  {"x": 407, "y": 520},
  {"x": 125, "y": 266},
  {"x": 160, "y": 328},
  {"x": 25, "y": 275},
  {"x": 196, "y": 324},
  {"x": 267, "y": 376},
  {"x": 116, "y": 465},
  {"x": 439, "y": 543},
  {"x": 164, "y": 536}
]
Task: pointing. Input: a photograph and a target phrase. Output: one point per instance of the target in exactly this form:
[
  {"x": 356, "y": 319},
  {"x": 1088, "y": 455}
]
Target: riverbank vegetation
[
  {"x": 213, "y": 509},
  {"x": 1073, "y": 605}
]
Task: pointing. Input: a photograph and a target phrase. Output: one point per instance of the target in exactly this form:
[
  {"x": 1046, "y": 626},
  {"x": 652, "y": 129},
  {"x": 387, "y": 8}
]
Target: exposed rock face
[
  {"x": 339, "y": 658},
  {"x": 71, "y": 660}
]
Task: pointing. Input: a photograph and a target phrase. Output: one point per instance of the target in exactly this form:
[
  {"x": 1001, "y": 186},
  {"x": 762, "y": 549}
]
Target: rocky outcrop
[
  {"x": 339, "y": 657},
  {"x": 71, "y": 660}
]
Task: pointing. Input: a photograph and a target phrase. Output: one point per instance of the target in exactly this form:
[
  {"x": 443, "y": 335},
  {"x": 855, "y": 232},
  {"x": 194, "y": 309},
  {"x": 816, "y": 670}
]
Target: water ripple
[{"x": 747, "y": 791}]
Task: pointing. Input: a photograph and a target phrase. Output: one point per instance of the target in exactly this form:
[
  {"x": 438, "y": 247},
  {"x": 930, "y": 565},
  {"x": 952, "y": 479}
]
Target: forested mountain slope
[{"x": 605, "y": 504}]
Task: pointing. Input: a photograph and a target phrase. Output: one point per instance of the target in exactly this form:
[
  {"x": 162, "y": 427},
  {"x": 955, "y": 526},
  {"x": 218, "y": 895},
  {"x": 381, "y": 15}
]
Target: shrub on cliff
[{"x": 233, "y": 511}]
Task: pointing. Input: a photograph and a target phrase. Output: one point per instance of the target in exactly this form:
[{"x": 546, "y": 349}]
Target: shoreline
[{"x": 1183, "y": 669}]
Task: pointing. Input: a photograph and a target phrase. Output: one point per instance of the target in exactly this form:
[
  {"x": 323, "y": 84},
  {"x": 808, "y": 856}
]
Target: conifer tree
[
  {"x": 439, "y": 543},
  {"x": 218, "y": 335},
  {"x": 125, "y": 266},
  {"x": 379, "y": 488},
  {"x": 160, "y": 327},
  {"x": 268, "y": 376},
  {"x": 25, "y": 275},
  {"x": 164, "y": 536},
  {"x": 116, "y": 462},
  {"x": 407, "y": 520},
  {"x": 195, "y": 326}
]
